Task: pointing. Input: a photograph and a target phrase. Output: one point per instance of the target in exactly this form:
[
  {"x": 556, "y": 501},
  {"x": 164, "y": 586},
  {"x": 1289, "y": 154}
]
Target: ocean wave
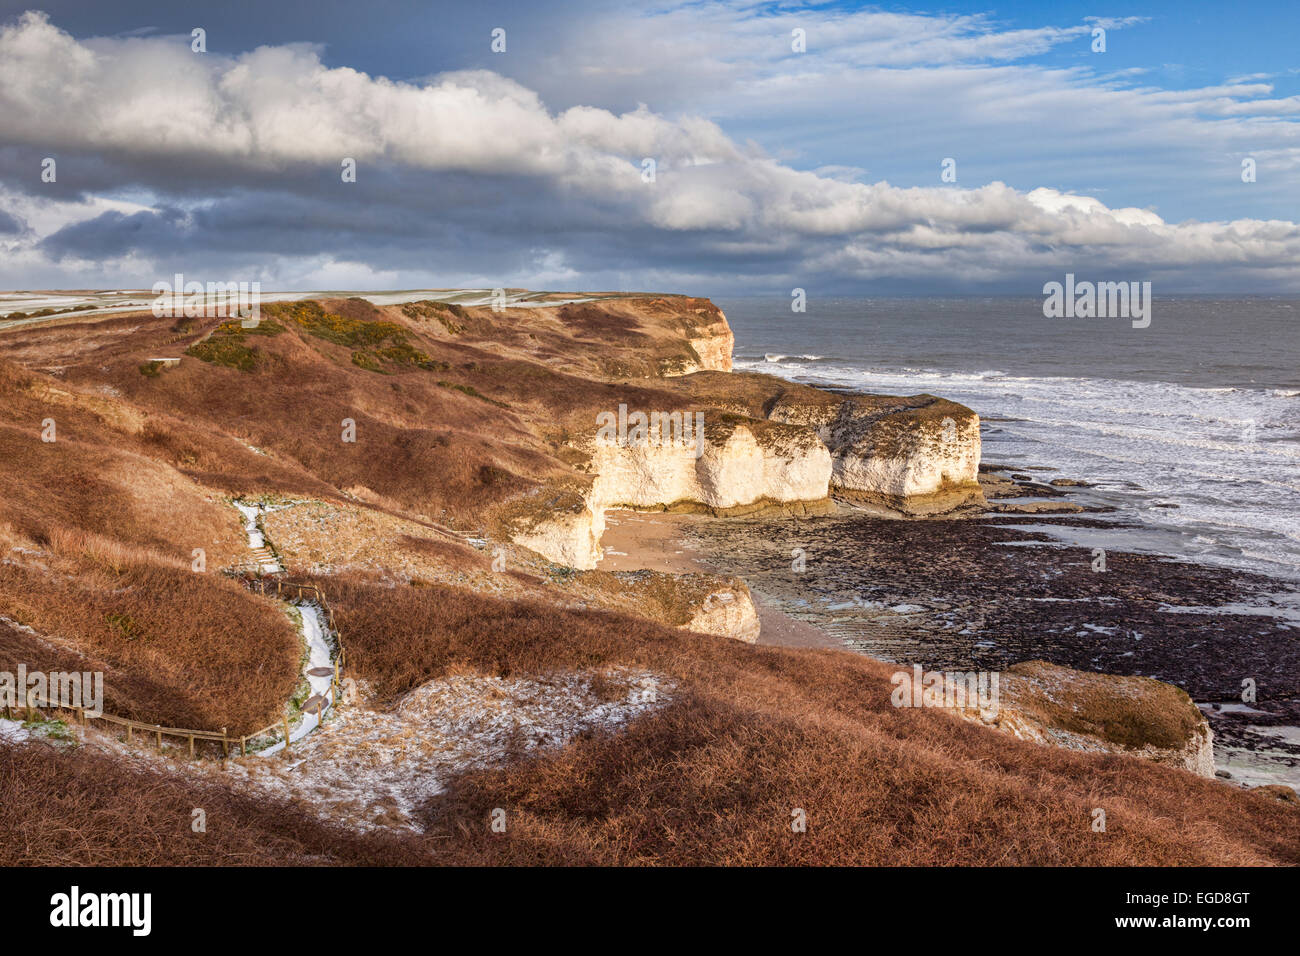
[{"x": 779, "y": 357}]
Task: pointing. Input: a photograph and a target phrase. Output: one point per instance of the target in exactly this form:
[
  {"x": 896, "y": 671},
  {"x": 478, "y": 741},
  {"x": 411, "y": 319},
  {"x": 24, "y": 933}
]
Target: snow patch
[
  {"x": 373, "y": 769},
  {"x": 13, "y": 732},
  {"x": 318, "y": 656}
]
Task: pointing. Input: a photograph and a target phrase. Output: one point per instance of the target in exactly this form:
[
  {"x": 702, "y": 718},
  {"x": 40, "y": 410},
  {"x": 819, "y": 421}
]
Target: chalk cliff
[
  {"x": 712, "y": 340},
  {"x": 736, "y": 462},
  {"x": 741, "y": 463},
  {"x": 919, "y": 454},
  {"x": 765, "y": 441}
]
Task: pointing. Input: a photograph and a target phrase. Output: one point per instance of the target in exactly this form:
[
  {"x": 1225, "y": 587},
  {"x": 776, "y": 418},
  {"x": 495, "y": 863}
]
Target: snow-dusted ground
[
  {"x": 13, "y": 732},
  {"x": 256, "y": 540},
  {"x": 135, "y": 300},
  {"x": 318, "y": 655},
  {"x": 371, "y": 768}
]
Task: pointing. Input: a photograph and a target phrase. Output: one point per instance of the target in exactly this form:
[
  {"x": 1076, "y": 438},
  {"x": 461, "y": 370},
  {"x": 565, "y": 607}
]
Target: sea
[{"x": 1188, "y": 428}]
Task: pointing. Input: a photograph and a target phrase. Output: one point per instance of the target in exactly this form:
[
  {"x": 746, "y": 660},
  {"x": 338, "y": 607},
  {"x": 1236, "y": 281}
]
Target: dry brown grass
[
  {"x": 178, "y": 648},
  {"x": 753, "y": 733},
  {"x": 113, "y": 472},
  {"x": 750, "y": 733},
  {"x": 428, "y": 448},
  {"x": 82, "y": 808}
]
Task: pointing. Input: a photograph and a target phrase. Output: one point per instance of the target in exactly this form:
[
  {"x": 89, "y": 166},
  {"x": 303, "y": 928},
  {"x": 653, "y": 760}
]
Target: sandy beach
[{"x": 657, "y": 541}]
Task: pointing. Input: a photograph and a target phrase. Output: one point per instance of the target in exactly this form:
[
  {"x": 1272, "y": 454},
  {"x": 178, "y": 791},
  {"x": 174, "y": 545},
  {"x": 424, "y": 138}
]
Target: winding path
[{"x": 319, "y": 667}]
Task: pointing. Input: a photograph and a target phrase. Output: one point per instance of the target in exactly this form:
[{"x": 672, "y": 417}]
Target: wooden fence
[
  {"x": 304, "y": 592},
  {"x": 267, "y": 586}
]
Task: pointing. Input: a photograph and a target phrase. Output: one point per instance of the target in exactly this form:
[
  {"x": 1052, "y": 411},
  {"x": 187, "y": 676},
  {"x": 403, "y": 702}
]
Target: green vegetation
[
  {"x": 312, "y": 318},
  {"x": 125, "y": 625},
  {"x": 403, "y": 354},
  {"x": 151, "y": 369},
  {"x": 375, "y": 344},
  {"x": 225, "y": 346},
  {"x": 51, "y": 729},
  {"x": 368, "y": 361},
  {"x": 473, "y": 392}
]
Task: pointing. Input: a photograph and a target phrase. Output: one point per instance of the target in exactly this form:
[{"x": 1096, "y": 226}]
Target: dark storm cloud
[{"x": 168, "y": 160}]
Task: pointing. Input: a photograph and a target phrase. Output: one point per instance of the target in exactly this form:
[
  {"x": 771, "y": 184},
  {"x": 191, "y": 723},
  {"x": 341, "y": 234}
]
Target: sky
[{"x": 897, "y": 149}]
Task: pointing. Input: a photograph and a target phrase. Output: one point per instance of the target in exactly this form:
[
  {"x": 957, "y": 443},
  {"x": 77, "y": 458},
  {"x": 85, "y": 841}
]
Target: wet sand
[{"x": 658, "y": 541}]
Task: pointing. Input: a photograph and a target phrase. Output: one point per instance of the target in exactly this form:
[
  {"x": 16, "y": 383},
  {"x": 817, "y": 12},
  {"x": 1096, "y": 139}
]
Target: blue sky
[{"x": 774, "y": 167}]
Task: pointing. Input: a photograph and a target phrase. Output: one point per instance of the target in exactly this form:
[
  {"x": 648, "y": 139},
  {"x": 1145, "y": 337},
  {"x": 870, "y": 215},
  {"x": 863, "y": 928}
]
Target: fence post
[
  {"x": 286, "y": 733},
  {"x": 128, "y": 733},
  {"x": 225, "y": 743},
  {"x": 159, "y": 738},
  {"x": 191, "y": 746}
]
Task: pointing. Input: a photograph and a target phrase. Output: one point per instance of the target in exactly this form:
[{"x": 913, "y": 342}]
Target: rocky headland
[{"x": 590, "y": 464}]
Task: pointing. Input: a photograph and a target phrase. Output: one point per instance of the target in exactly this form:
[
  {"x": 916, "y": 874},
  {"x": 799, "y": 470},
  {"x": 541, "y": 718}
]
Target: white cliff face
[
  {"x": 715, "y": 345},
  {"x": 712, "y": 341},
  {"x": 787, "y": 465},
  {"x": 920, "y": 453},
  {"x": 735, "y": 470},
  {"x": 895, "y": 449},
  {"x": 924, "y": 460},
  {"x": 571, "y": 538}
]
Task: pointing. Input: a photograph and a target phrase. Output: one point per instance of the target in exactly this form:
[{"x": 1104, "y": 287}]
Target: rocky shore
[
  {"x": 498, "y": 559},
  {"x": 988, "y": 592},
  {"x": 815, "y": 517}
]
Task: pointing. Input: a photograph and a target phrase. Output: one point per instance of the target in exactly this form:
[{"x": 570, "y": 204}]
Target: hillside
[{"x": 438, "y": 468}]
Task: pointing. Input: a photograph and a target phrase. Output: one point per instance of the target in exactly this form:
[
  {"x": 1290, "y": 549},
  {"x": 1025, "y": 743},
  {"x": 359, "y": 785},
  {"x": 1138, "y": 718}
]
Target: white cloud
[{"x": 275, "y": 109}]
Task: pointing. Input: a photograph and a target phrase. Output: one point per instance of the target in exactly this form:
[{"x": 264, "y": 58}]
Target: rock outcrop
[
  {"x": 918, "y": 455},
  {"x": 1079, "y": 710},
  {"x": 712, "y": 340},
  {"x": 727, "y": 612},
  {"x": 564, "y": 529},
  {"x": 765, "y": 442},
  {"x": 737, "y": 462}
]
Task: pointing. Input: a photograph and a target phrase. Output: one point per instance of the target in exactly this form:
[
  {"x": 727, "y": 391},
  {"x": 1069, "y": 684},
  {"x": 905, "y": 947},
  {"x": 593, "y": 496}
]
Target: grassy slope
[
  {"x": 751, "y": 733},
  {"x": 754, "y": 732}
]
